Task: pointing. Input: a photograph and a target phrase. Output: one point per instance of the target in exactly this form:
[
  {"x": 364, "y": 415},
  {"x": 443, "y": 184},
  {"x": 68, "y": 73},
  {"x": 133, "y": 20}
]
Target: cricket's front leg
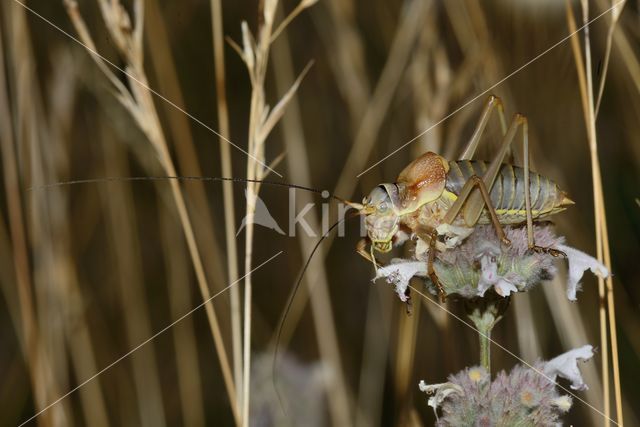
[
  {"x": 431, "y": 271},
  {"x": 361, "y": 249},
  {"x": 430, "y": 235}
]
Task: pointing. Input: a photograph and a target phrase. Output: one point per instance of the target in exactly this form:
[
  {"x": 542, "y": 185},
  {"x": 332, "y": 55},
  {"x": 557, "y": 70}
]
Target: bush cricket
[{"x": 441, "y": 201}]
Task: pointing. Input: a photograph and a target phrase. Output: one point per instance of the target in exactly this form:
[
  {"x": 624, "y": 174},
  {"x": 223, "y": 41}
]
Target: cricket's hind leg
[
  {"x": 472, "y": 201},
  {"x": 527, "y": 198},
  {"x": 477, "y": 200},
  {"x": 492, "y": 104}
]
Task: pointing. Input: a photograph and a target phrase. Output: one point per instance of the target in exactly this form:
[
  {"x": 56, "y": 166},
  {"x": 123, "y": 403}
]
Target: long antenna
[
  {"x": 181, "y": 178},
  {"x": 292, "y": 296},
  {"x": 359, "y": 207}
]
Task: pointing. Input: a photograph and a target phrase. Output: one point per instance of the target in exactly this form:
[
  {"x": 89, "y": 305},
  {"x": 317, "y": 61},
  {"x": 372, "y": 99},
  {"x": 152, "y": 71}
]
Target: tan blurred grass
[{"x": 384, "y": 71}]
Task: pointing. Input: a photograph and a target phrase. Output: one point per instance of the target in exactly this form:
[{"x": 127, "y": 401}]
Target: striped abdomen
[{"x": 508, "y": 192}]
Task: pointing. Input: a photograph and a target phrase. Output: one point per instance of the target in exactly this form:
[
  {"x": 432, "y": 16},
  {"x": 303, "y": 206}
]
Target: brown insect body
[
  {"x": 429, "y": 186},
  {"x": 441, "y": 202}
]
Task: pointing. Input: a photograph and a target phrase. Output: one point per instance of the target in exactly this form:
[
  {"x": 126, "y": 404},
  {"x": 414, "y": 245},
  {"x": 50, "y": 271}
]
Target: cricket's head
[{"x": 381, "y": 209}]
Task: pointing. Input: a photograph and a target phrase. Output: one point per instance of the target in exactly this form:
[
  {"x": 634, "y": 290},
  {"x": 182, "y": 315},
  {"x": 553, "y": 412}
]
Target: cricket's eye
[
  {"x": 378, "y": 197},
  {"x": 382, "y": 207}
]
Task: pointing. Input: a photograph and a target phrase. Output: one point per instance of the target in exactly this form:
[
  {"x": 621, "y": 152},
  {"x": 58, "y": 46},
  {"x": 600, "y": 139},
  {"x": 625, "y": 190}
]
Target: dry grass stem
[
  {"x": 139, "y": 103},
  {"x": 298, "y": 165},
  {"x": 29, "y": 331},
  {"x": 604, "y": 343},
  {"x": 227, "y": 188},
  {"x": 615, "y": 15},
  {"x": 186, "y": 347},
  {"x": 255, "y": 54},
  {"x": 100, "y": 247},
  {"x": 602, "y": 246}
]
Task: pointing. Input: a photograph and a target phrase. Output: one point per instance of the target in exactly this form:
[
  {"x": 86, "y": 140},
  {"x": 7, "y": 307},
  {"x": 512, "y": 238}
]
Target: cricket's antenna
[
  {"x": 360, "y": 210},
  {"x": 187, "y": 178},
  {"x": 292, "y": 296}
]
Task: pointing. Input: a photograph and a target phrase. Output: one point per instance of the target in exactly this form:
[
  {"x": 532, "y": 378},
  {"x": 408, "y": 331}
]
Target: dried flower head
[
  {"x": 524, "y": 397},
  {"x": 481, "y": 263}
]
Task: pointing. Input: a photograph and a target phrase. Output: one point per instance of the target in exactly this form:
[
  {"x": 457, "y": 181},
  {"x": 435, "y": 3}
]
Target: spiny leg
[
  {"x": 476, "y": 200},
  {"x": 465, "y": 195},
  {"x": 431, "y": 235},
  {"x": 430, "y": 270},
  {"x": 493, "y": 103},
  {"x": 527, "y": 198},
  {"x": 475, "y": 203}
]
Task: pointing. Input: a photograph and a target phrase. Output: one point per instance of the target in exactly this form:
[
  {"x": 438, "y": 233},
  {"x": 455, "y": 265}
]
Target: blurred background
[{"x": 90, "y": 271}]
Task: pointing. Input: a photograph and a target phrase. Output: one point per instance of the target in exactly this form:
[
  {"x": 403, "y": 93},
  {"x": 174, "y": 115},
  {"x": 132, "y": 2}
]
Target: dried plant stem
[
  {"x": 408, "y": 30},
  {"x": 202, "y": 284},
  {"x": 375, "y": 353},
  {"x": 51, "y": 233},
  {"x": 347, "y": 58},
  {"x": 615, "y": 14},
  {"x": 602, "y": 245},
  {"x": 185, "y": 340},
  {"x": 257, "y": 102},
  {"x": 628, "y": 56},
  {"x": 118, "y": 203},
  {"x": 299, "y": 170},
  {"x": 154, "y": 132},
  {"x": 139, "y": 103},
  {"x": 602, "y": 235},
  {"x": 604, "y": 344},
  {"x": 35, "y": 352},
  {"x": 227, "y": 189},
  {"x": 606, "y": 252},
  {"x": 258, "y": 73},
  {"x": 246, "y": 379},
  {"x": 262, "y": 119},
  {"x": 29, "y": 337},
  {"x": 405, "y": 355},
  {"x": 376, "y": 108},
  {"x": 185, "y": 151}
]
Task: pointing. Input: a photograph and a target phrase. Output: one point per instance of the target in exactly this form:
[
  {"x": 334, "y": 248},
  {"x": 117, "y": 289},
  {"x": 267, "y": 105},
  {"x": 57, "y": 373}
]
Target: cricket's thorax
[{"x": 429, "y": 215}]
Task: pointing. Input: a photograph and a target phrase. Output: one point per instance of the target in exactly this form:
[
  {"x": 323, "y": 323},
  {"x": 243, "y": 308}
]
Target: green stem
[
  {"x": 485, "y": 317},
  {"x": 485, "y": 348}
]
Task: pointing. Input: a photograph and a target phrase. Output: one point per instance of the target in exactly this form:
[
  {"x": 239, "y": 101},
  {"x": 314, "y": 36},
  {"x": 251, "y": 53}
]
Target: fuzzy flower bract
[
  {"x": 525, "y": 397},
  {"x": 481, "y": 263}
]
